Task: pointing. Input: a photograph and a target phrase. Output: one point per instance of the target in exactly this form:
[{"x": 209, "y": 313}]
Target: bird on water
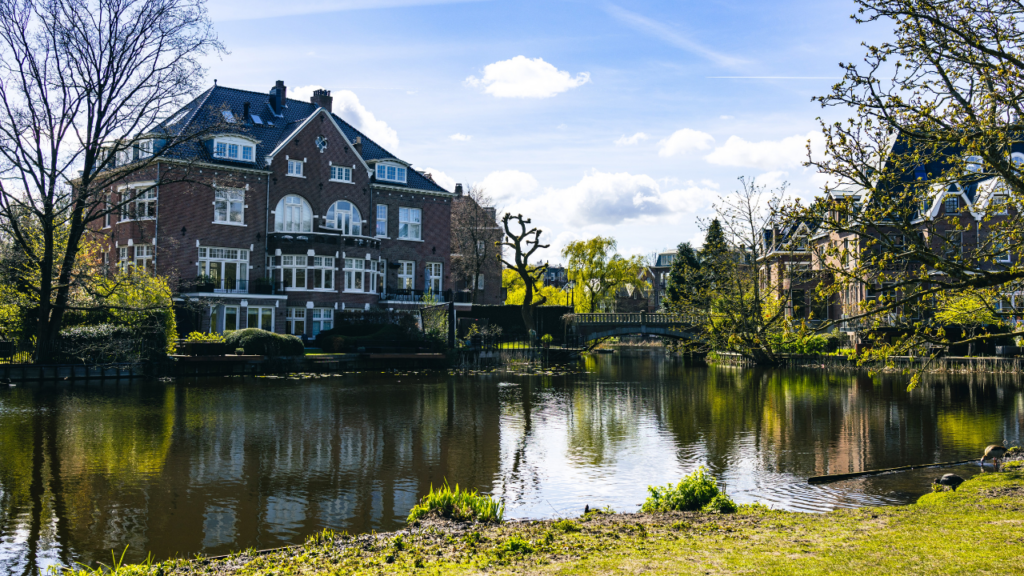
[
  {"x": 951, "y": 480},
  {"x": 995, "y": 452}
]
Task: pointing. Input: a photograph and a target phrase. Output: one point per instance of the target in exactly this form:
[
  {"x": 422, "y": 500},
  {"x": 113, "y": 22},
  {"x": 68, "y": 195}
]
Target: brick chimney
[
  {"x": 458, "y": 189},
  {"x": 358, "y": 145},
  {"x": 322, "y": 98},
  {"x": 278, "y": 96}
]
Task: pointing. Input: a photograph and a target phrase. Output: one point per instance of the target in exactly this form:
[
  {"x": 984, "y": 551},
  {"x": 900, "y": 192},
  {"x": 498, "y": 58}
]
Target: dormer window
[
  {"x": 145, "y": 149},
  {"x": 233, "y": 149},
  {"x": 390, "y": 172},
  {"x": 999, "y": 205},
  {"x": 228, "y": 116},
  {"x": 952, "y": 204}
]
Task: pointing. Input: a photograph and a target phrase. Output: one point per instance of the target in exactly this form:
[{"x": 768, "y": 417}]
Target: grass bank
[{"x": 977, "y": 530}]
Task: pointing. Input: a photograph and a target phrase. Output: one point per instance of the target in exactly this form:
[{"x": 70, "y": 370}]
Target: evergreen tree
[
  {"x": 715, "y": 256},
  {"x": 683, "y": 278}
]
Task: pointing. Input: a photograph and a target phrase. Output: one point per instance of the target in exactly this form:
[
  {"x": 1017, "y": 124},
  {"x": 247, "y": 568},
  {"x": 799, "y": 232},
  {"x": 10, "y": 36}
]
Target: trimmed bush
[
  {"x": 457, "y": 504},
  {"x": 255, "y": 341},
  {"x": 698, "y": 491},
  {"x": 109, "y": 343}
]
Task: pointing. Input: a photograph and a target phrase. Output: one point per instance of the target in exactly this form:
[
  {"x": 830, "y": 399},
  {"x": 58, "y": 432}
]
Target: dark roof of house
[{"x": 205, "y": 112}]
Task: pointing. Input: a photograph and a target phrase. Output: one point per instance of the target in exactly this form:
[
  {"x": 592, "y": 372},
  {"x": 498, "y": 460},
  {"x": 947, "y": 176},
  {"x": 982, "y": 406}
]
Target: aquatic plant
[
  {"x": 458, "y": 504},
  {"x": 698, "y": 491}
]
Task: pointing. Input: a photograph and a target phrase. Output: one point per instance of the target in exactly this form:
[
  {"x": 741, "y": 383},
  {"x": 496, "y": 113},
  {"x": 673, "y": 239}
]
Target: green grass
[
  {"x": 458, "y": 504},
  {"x": 979, "y": 529}
]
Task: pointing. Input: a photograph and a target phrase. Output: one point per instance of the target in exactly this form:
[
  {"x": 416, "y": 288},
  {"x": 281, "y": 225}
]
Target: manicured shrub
[
  {"x": 264, "y": 343},
  {"x": 694, "y": 492},
  {"x": 110, "y": 343},
  {"x": 457, "y": 504}
]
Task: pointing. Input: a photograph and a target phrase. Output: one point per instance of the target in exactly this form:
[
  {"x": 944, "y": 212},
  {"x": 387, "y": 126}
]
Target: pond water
[{"x": 217, "y": 466}]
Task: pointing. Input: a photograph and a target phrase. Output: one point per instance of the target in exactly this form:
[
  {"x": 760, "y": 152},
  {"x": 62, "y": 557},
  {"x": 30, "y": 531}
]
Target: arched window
[
  {"x": 293, "y": 215},
  {"x": 1017, "y": 158},
  {"x": 344, "y": 217}
]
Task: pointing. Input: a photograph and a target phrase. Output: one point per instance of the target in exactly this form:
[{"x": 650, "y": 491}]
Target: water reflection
[{"x": 217, "y": 466}]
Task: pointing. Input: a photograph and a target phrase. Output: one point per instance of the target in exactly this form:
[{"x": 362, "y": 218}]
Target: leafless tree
[
  {"x": 523, "y": 244},
  {"x": 476, "y": 237},
  {"x": 82, "y": 85}
]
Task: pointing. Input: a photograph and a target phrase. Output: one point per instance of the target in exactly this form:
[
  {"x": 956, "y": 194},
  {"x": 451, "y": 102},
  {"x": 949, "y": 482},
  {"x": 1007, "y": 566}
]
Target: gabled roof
[{"x": 205, "y": 112}]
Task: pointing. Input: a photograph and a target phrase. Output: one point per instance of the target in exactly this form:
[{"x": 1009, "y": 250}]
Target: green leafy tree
[
  {"x": 596, "y": 271},
  {"x": 683, "y": 276}
]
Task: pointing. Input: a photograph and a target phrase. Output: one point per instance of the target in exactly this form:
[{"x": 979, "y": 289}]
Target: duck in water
[
  {"x": 996, "y": 453},
  {"x": 951, "y": 480}
]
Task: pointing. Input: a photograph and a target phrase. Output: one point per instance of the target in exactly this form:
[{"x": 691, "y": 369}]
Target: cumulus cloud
[
  {"x": 523, "y": 77},
  {"x": 460, "y": 137},
  {"x": 683, "y": 141},
  {"x": 789, "y": 152},
  {"x": 348, "y": 107},
  {"x": 506, "y": 186},
  {"x": 631, "y": 140},
  {"x": 441, "y": 179}
]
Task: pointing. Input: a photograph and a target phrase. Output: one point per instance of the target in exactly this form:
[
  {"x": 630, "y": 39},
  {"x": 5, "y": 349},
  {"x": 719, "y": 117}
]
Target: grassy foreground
[{"x": 977, "y": 530}]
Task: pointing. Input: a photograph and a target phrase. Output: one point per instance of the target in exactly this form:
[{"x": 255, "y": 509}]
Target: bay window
[
  {"x": 122, "y": 259},
  {"x": 323, "y": 273},
  {"x": 144, "y": 257},
  {"x": 344, "y": 217},
  {"x": 296, "y": 321},
  {"x": 361, "y": 275},
  {"x": 409, "y": 223},
  {"x": 141, "y": 207},
  {"x": 323, "y": 319},
  {"x": 294, "y": 271}
]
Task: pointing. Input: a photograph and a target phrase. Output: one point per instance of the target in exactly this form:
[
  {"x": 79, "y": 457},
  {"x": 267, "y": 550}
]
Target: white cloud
[
  {"x": 506, "y": 186},
  {"x": 789, "y": 152},
  {"x": 523, "y": 77},
  {"x": 631, "y": 140},
  {"x": 348, "y": 107},
  {"x": 683, "y": 141},
  {"x": 441, "y": 179},
  {"x": 460, "y": 137},
  {"x": 726, "y": 117}
]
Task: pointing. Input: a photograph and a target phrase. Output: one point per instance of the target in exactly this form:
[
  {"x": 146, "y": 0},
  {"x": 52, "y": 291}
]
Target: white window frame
[
  {"x": 406, "y": 275},
  {"x": 390, "y": 172},
  {"x": 286, "y": 209},
  {"x": 323, "y": 273},
  {"x": 294, "y": 269},
  {"x": 322, "y": 319},
  {"x": 234, "y": 149},
  {"x": 361, "y": 275},
  {"x": 258, "y": 312},
  {"x": 295, "y": 315},
  {"x": 436, "y": 270},
  {"x": 1000, "y": 205},
  {"x": 141, "y": 203},
  {"x": 144, "y": 257},
  {"x": 123, "y": 263},
  {"x": 946, "y": 201},
  {"x": 212, "y": 258},
  {"x": 341, "y": 174},
  {"x": 145, "y": 148},
  {"x": 106, "y": 209},
  {"x": 227, "y": 202},
  {"x": 382, "y": 219},
  {"x": 412, "y": 220},
  {"x": 350, "y": 226},
  {"x": 295, "y": 168}
]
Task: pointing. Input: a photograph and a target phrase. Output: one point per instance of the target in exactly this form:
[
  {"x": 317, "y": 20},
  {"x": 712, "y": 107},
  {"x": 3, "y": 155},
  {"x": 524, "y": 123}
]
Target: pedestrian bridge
[{"x": 590, "y": 327}]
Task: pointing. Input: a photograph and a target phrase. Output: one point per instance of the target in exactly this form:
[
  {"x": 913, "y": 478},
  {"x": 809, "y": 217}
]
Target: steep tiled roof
[{"x": 206, "y": 113}]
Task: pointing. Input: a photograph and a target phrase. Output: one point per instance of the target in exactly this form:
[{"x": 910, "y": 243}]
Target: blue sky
[{"x": 621, "y": 119}]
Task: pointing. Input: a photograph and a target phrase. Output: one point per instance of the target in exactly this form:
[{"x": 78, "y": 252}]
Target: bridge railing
[{"x": 632, "y": 318}]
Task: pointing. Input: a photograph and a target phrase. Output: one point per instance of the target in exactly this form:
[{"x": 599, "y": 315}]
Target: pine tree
[
  {"x": 683, "y": 278},
  {"x": 715, "y": 257}
]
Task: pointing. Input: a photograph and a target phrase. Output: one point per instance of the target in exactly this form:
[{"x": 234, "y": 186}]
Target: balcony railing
[
  {"x": 418, "y": 296},
  {"x": 302, "y": 241},
  {"x": 226, "y": 286}
]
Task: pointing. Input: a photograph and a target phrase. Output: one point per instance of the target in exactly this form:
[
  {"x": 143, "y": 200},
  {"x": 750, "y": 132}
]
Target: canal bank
[{"x": 975, "y": 530}]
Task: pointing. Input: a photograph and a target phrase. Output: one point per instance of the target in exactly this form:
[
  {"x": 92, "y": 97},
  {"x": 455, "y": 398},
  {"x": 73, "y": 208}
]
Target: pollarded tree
[
  {"x": 928, "y": 189},
  {"x": 83, "y": 84},
  {"x": 524, "y": 243}
]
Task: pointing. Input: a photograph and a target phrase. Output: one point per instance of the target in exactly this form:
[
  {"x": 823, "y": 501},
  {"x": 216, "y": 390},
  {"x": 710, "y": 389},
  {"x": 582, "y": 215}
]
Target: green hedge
[
  {"x": 110, "y": 343},
  {"x": 548, "y": 320},
  {"x": 263, "y": 343}
]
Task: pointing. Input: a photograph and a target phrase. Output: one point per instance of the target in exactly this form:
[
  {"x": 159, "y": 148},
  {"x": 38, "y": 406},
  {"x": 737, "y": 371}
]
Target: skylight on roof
[
  {"x": 228, "y": 116},
  {"x": 256, "y": 119}
]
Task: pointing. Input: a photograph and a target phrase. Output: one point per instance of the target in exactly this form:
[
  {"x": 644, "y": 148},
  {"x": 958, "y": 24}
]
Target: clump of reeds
[
  {"x": 458, "y": 504},
  {"x": 698, "y": 491}
]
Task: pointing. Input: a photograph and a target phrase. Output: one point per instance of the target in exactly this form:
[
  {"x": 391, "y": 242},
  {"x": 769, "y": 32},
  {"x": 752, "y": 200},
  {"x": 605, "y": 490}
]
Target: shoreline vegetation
[{"x": 975, "y": 529}]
